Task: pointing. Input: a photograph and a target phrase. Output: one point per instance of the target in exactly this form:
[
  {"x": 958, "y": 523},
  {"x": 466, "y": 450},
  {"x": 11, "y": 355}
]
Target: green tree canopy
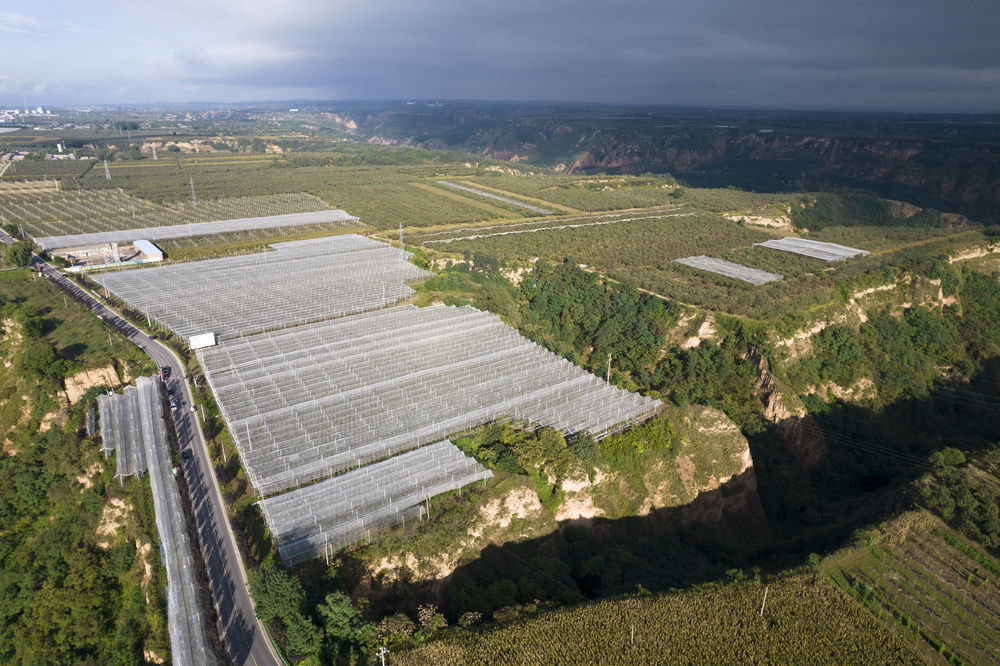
[
  {"x": 277, "y": 594},
  {"x": 18, "y": 253}
]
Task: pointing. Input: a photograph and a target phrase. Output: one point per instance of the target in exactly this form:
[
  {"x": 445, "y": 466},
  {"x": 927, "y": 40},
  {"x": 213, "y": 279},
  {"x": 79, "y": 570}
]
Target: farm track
[{"x": 552, "y": 227}]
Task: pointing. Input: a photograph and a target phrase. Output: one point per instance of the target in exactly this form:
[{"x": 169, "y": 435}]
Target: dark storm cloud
[{"x": 886, "y": 54}]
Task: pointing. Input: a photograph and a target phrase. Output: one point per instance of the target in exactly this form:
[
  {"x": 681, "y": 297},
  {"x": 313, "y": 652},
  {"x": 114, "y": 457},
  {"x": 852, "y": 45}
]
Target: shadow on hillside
[{"x": 871, "y": 457}]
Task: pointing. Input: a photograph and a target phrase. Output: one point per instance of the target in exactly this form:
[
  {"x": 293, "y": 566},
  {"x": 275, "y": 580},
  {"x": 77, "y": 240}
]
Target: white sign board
[{"x": 203, "y": 340}]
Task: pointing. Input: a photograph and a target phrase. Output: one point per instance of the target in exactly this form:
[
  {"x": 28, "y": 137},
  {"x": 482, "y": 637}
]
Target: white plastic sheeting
[
  {"x": 814, "y": 249},
  {"x": 754, "y": 276},
  {"x": 197, "y": 229}
]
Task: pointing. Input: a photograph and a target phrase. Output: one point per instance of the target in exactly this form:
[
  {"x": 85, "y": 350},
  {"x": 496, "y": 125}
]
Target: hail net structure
[
  {"x": 121, "y": 431},
  {"x": 731, "y": 269},
  {"x": 814, "y": 249},
  {"x": 198, "y": 229},
  {"x": 340, "y": 406},
  {"x": 297, "y": 282},
  {"x": 328, "y": 515},
  {"x": 314, "y": 400},
  {"x": 140, "y": 409}
]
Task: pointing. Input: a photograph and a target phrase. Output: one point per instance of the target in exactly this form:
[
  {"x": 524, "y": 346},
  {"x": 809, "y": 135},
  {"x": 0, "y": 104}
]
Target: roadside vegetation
[{"x": 80, "y": 578}]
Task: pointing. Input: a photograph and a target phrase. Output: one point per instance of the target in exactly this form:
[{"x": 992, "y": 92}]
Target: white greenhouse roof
[
  {"x": 730, "y": 269},
  {"x": 814, "y": 249}
]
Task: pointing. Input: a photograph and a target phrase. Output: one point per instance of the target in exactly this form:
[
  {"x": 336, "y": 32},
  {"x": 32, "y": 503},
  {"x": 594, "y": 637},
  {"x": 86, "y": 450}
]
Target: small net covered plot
[
  {"x": 331, "y": 514},
  {"x": 133, "y": 425},
  {"x": 730, "y": 269},
  {"x": 308, "y": 402},
  {"x": 298, "y": 282},
  {"x": 814, "y": 249},
  {"x": 197, "y": 229},
  {"x": 121, "y": 431},
  {"x": 491, "y": 195}
]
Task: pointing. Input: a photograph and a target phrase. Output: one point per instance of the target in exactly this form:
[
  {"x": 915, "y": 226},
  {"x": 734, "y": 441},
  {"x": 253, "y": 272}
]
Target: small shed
[{"x": 149, "y": 251}]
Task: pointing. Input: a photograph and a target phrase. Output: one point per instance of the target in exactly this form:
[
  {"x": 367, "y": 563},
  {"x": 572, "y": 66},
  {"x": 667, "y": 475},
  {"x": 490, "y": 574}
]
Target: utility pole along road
[{"x": 242, "y": 634}]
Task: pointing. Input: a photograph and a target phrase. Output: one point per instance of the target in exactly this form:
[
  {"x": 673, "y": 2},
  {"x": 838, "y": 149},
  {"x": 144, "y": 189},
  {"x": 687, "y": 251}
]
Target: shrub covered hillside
[{"x": 80, "y": 576}]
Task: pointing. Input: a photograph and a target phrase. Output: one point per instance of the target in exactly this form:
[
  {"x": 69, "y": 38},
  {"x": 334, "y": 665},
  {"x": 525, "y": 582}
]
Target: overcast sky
[{"x": 871, "y": 54}]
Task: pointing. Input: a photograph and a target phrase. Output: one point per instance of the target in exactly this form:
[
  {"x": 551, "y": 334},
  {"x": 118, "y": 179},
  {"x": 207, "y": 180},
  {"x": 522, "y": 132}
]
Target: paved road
[{"x": 241, "y": 632}]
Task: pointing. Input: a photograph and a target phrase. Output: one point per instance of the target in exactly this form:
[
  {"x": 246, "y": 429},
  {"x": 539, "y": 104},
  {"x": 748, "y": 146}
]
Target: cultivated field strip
[
  {"x": 730, "y": 269},
  {"x": 814, "y": 249},
  {"x": 133, "y": 424},
  {"x": 309, "y": 402},
  {"x": 491, "y": 195},
  {"x": 556, "y": 225},
  {"x": 331, "y": 514},
  {"x": 299, "y": 282},
  {"x": 68, "y": 212},
  {"x": 934, "y": 591},
  {"x": 338, "y": 217}
]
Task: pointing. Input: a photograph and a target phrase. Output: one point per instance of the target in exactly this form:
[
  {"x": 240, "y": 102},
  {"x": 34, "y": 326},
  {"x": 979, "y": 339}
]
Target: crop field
[
  {"x": 80, "y": 212},
  {"x": 585, "y": 193},
  {"x": 571, "y": 222},
  {"x": 642, "y": 242},
  {"x": 639, "y": 247},
  {"x": 310, "y": 401},
  {"x": 805, "y": 621},
  {"x": 382, "y": 196},
  {"x": 938, "y": 590},
  {"x": 877, "y": 239},
  {"x": 29, "y": 186},
  {"x": 784, "y": 263},
  {"x": 234, "y": 243},
  {"x": 52, "y": 168},
  {"x": 600, "y": 193},
  {"x": 321, "y": 217}
]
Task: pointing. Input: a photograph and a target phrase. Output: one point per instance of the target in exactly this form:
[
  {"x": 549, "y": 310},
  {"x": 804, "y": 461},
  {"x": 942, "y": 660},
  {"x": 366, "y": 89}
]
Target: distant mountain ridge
[{"x": 951, "y": 163}]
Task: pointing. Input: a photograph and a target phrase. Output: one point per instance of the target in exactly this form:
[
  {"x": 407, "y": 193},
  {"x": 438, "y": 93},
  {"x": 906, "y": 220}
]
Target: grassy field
[
  {"x": 937, "y": 590},
  {"x": 76, "y": 333},
  {"x": 805, "y": 620},
  {"x": 77, "y": 336}
]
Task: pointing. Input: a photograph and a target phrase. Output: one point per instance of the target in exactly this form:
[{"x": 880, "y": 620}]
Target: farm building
[{"x": 109, "y": 255}]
